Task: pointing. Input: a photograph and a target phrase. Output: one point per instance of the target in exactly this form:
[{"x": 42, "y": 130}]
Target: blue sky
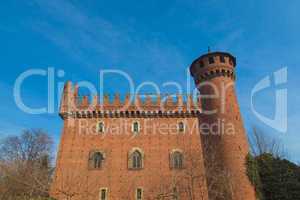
[{"x": 151, "y": 41}]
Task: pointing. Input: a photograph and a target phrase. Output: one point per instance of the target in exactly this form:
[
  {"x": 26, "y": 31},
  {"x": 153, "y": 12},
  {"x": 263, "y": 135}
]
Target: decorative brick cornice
[
  {"x": 118, "y": 114},
  {"x": 215, "y": 72}
]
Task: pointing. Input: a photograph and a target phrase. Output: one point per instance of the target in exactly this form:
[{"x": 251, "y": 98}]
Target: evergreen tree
[{"x": 274, "y": 178}]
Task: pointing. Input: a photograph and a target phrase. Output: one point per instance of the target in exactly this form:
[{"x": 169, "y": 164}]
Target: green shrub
[
  {"x": 253, "y": 175},
  {"x": 274, "y": 178}
]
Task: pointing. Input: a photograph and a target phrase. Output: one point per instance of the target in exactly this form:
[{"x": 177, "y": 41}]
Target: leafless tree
[
  {"x": 25, "y": 165},
  {"x": 261, "y": 143},
  {"x": 218, "y": 182},
  {"x": 74, "y": 185},
  {"x": 193, "y": 182},
  {"x": 164, "y": 188}
]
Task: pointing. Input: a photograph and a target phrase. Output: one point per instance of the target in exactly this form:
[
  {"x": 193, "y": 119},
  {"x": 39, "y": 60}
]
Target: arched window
[
  {"x": 135, "y": 127},
  {"x": 100, "y": 127},
  {"x": 136, "y": 160},
  {"x": 176, "y": 160},
  {"x": 181, "y": 127},
  {"x": 96, "y": 160}
]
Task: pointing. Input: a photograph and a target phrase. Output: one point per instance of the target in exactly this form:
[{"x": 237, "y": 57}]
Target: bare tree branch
[{"x": 25, "y": 165}]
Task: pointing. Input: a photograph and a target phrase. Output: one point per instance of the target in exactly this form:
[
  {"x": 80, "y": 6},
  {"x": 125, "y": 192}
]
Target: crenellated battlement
[
  {"x": 213, "y": 64},
  {"x": 74, "y": 104}
]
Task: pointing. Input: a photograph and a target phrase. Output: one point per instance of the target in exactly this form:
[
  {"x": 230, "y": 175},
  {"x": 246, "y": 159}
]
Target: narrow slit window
[
  {"x": 181, "y": 127},
  {"x": 211, "y": 60},
  {"x": 222, "y": 59},
  {"x": 103, "y": 194},
  {"x": 100, "y": 127},
  {"x": 139, "y": 194},
  {"x": 176, "y": 160},
  {"x": 136, "y": 127}
]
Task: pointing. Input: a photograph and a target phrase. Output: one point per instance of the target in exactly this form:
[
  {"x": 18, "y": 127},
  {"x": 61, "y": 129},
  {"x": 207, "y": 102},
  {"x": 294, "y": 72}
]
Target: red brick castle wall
[{"x": 158, "y": 139}]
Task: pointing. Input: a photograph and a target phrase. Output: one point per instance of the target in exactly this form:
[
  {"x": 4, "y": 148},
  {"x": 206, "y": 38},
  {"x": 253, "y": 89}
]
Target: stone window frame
[
  {"x": 91, "y": 164},
  {"x": 97, "y": 127},
  {"x": 106, "y": 193},
  {"x": 142, "y": 193},
  {"x": 133, "y": 127},
  {"x": 172, "y": 161},
  {"x": 179, "y": 130},
  {"x": 130, "y": 161}
]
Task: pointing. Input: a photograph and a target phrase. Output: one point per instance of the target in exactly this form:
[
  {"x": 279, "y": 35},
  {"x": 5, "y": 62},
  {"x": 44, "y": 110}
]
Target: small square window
[
  {"x": 211, "y": 60},
  {"x": 222, "y": 59}
]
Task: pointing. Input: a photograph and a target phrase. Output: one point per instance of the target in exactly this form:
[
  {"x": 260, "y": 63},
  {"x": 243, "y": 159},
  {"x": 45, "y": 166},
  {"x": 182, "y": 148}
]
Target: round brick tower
[{"x": 222, "y": 130}]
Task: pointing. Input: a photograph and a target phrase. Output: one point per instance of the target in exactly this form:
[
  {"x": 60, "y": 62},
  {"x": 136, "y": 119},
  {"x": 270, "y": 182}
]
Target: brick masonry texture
[{"x": 157, "y": 138}]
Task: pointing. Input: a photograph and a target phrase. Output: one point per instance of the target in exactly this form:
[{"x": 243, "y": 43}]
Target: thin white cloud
[{"x": 87, "y": 39}]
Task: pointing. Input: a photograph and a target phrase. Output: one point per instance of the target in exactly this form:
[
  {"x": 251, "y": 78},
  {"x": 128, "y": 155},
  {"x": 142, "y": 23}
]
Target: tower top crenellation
[{"x": 213, "y": 64}]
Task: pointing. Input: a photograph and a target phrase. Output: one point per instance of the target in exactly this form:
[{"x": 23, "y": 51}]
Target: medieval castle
[{"x": 156, "y": 148}]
